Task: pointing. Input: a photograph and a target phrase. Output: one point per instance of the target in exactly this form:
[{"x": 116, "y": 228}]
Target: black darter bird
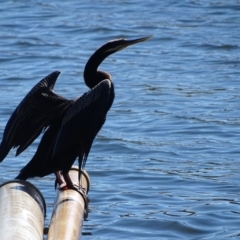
[{"x": 69, "y": 126}]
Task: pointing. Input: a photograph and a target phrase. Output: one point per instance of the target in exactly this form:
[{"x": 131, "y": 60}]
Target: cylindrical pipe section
[
  {"x": 22, "y": 211},
  {"x": 68, "y": 211}
]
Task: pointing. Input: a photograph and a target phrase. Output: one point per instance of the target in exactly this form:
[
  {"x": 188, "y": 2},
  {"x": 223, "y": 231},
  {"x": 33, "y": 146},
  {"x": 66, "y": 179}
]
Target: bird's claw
[
  {"x": 77, "y": 188},
  {"x": 64, "y": 186},
  {"x": 74, "y": 187}
]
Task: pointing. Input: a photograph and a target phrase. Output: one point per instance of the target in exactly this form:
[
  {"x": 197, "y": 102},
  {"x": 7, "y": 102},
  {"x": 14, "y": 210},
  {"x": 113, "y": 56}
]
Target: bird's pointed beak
[
  {"x": 138, "y": 40},
  {"x": 119, "y": 44}
]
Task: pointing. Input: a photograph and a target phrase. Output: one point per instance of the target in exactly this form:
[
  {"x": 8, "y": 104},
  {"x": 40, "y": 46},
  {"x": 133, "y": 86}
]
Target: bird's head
[
  {"x": 92, "y": 76},
  {"x": 119, "y": 44}
]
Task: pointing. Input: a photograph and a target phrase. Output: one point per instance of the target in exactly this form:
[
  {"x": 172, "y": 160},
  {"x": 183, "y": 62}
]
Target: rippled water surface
[{"x": 166, "y": 163}]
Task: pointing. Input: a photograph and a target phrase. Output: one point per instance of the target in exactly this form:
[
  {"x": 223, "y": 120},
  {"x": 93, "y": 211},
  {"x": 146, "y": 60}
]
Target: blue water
[{"x": 166, "y": 163}]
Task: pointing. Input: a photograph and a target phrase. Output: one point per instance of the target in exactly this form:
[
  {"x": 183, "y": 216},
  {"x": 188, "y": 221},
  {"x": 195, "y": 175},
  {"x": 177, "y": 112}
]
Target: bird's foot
[
  {"x": 81, "y": 191},
  {"x": 63, "y": 186},
  {"x": 74, "y": 187}
]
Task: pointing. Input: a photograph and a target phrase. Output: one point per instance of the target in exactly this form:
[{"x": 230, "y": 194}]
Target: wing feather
[
  {"x": 82, "y": 122},
  {"x": 34, "y": 114}
]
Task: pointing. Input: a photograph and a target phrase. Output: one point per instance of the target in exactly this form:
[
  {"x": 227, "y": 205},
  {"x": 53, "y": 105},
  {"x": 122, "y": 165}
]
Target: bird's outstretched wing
[
  {"x": 38, "y": 110},
  {"x": 81, "y": 124}
]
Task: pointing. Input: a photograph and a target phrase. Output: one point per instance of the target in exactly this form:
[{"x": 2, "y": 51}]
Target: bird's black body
[
  {"x": 70, "y": 125},
  {"x": 71, "y": 138}
]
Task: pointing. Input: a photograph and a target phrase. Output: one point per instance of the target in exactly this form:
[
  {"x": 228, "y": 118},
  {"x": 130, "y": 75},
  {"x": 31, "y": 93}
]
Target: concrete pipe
[
  {"x": 67, "y": 218},
  {"x": 22, "y": 211}
]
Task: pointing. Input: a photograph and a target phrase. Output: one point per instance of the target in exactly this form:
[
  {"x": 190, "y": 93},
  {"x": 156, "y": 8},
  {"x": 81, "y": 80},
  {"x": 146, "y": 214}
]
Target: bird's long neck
[{"x": 91, "y": 74}]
